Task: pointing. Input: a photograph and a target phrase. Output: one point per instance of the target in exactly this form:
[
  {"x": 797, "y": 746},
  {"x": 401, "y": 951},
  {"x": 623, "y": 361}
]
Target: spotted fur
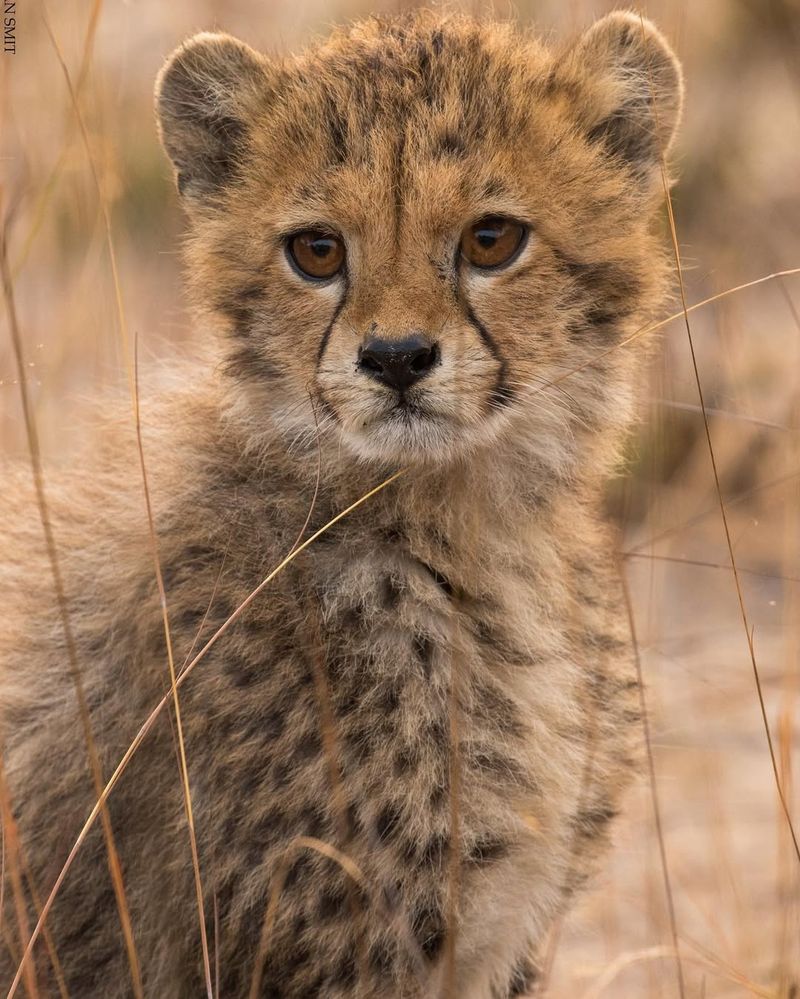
[{"x": 461, "y": 633}]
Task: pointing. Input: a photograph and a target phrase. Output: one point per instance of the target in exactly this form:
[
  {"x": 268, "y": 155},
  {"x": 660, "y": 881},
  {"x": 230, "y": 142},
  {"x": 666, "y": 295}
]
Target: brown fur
[{"x": 485, "y": 566}]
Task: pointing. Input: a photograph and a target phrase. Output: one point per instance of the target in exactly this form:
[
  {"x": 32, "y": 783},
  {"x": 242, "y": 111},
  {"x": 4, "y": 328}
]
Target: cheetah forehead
[
  {"x": 453, "y": 84},
  {"x": 442, "y": 86}
]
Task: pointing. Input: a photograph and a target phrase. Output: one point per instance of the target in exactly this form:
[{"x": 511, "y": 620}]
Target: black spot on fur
[
  {"x": 606, "y": 293},
  {"x": 628, "y": 135},
  {"x": 347, "y": 699},
  {"x": 391, "y": 896},
  {"x": 423, "y": 650},
  {"x": 237, "y": 305},
  {"x": 451, "y": 145},
  {"x": 345, "y": 974},
  {"x": 353, "y": 617},
  {"x": 335, "y": 118},
  {"x": 494, "y": 188},
  {"x": 429, "y": 91},
  {"x": 351, "y": 819},
  {"x": 271, "y": 725},
  {"x": 434, "y": 852},
  {"x": 332, "y": 903},
  {"x": 597, "y": 316},
  {"x": 576, "y": 881},
  {"x": 358, "y": 744},
  {"x": 427, "y": 925},
  {"x": 487, "y": 851},
  {"x": 390, "y": 698},
  {"x": 299, "y": 870},
  {"x": 381, "y": 960},
  {"x": 592, "y": 822},
  {"x": 499, "y": 766},
  {"x": 241, "y": 317},
  {"x": 388, "y": 822},
  {"x": 523, "y": 979},
  {"x": 314, "y": 821},
  {"x": 82, "y": 929},
  {"x": 254, "y": 778},
  {"x": 186, "y": 620},
  {"x": 605, "y": 642},
  {"x": 186, "y": 564},
  {"x": 241, "y": 672},
  {"x": 439, "y": 734},
  {"x": 437, "y": 797},
  {"x": 498, "y": 644},
  {"x": 440, "y": 579},
  {"x": 312, "y": 991},
  {"x": 247, "y": 363},
  {"x": 499, "y": 710},
  {"x": 395, "y": 534},
  {"x": 257, "y": 628},
  {"x": 282, "y": 773},
  {"x": 406, "y": 760},
  {"x": 269, "y": 828},
  {"x": 307, "y": 747},
  {"x": 391, "y": 591}
]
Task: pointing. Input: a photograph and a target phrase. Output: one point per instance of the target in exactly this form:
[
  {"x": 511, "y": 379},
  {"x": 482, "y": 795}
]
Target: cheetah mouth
[
  {"x": 413, "y": 416},
  {"x": 409, "y": 421},
  {"x": 408, "y": 410},
  {"x": 409, "y": 431},
  {"x": 417, "y": 427}
]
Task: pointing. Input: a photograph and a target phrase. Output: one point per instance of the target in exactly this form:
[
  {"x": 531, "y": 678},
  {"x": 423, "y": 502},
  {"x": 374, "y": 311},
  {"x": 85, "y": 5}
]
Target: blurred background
[{"x": 735, "y": 880}]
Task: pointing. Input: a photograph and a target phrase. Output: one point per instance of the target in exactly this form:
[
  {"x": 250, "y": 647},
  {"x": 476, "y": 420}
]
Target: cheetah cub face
[{"x": 415, "y": 229}]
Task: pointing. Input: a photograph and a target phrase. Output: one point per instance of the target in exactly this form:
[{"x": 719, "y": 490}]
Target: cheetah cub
[{"x": 420, "y": 243}]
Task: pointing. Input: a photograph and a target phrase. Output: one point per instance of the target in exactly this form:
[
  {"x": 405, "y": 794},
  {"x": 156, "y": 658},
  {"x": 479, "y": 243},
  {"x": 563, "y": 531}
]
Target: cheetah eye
[
  {"x": 316, "y": 254},
  {"x": 492, "y": 241}
]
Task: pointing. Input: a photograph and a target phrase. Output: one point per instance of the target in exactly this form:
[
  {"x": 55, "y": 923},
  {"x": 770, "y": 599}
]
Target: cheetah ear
[
  {"x": 206, "y": 93},
  {"x": 631, "y": 89}
]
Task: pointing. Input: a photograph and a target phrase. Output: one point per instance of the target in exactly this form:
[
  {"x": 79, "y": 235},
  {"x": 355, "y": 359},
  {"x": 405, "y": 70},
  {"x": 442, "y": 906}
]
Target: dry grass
[{"x": 701, "y": 628}]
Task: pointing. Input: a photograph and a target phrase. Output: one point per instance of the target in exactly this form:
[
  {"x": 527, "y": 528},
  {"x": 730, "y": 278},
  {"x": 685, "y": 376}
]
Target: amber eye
[
  {"x": 492, "y": 241},
  {"x": 316, "y": 254}
]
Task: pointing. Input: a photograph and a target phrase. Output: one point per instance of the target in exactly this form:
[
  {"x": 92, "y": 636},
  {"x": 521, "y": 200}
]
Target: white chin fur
[{"x": 416, "y": 441}]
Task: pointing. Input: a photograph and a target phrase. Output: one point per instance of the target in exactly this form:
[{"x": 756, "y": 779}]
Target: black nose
[{"x": 398, "y": 363}]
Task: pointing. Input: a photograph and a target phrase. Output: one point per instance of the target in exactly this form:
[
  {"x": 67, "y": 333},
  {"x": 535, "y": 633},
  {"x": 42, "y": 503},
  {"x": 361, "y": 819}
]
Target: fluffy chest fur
[{"x": 441, "y": 705}]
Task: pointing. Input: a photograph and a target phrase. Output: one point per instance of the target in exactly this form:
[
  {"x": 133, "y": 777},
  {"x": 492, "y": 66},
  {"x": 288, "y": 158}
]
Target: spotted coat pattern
[{"x": 414, "y": 739}]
